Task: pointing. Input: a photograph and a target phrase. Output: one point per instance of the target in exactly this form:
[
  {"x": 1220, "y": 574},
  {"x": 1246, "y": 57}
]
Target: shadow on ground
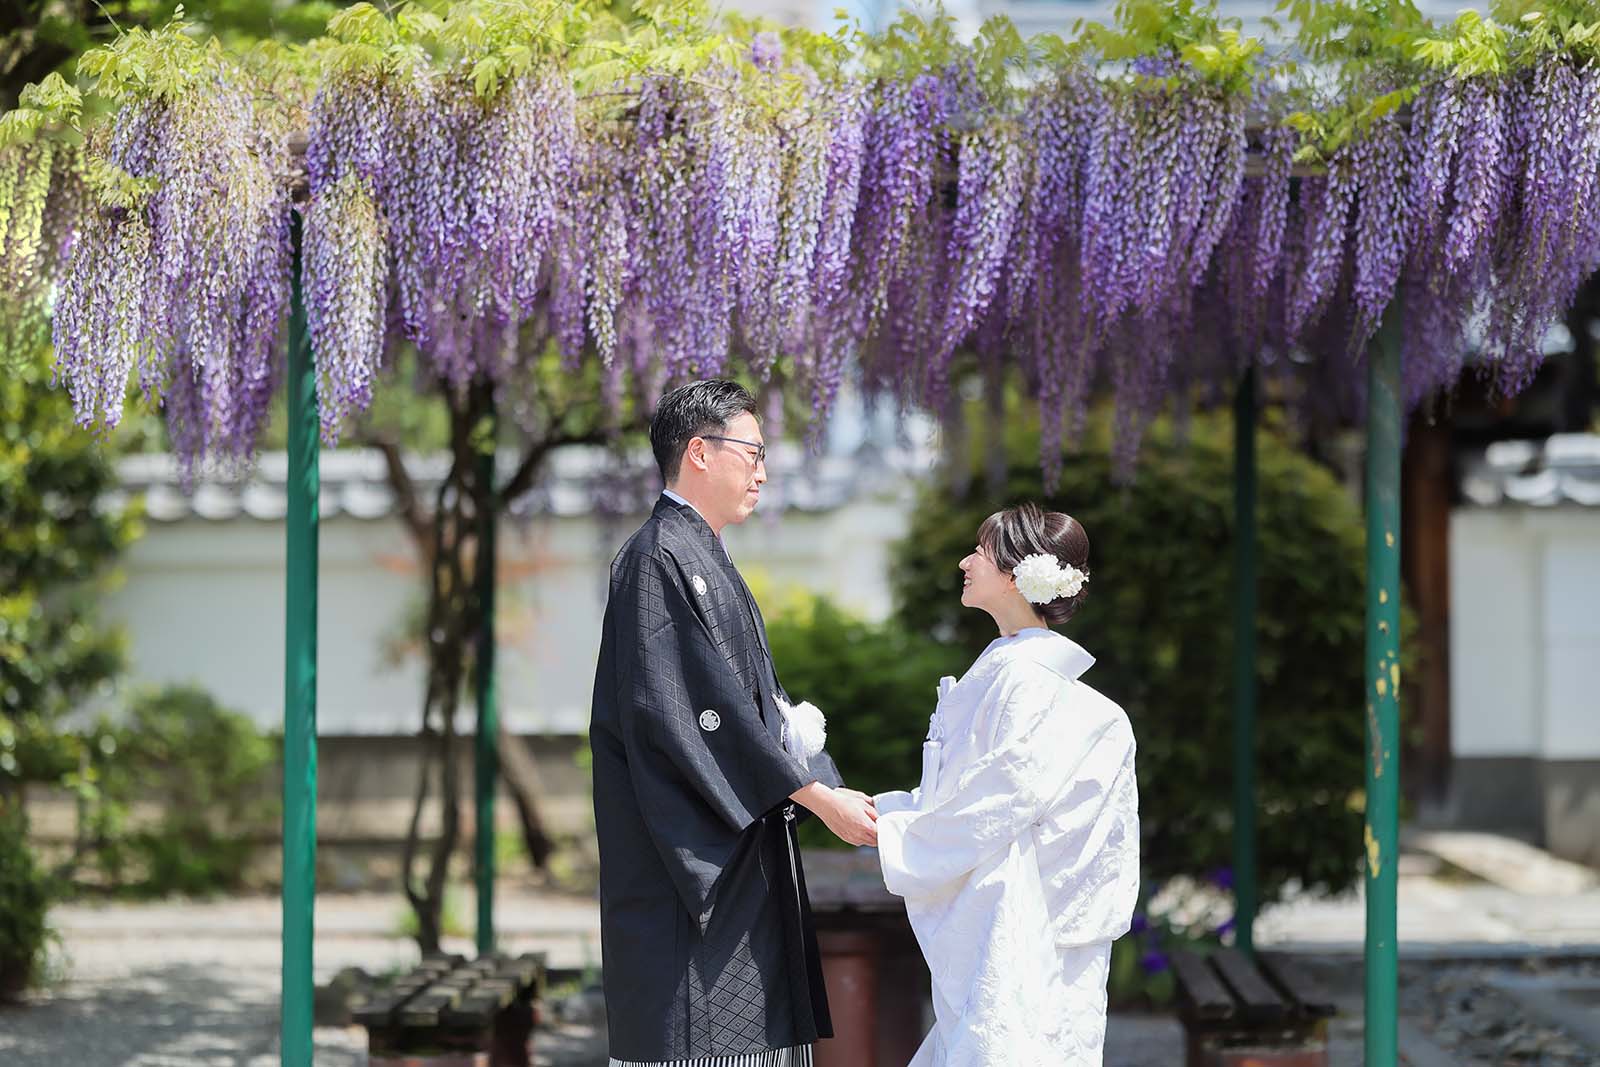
[{"x": 175, "y": 1015}]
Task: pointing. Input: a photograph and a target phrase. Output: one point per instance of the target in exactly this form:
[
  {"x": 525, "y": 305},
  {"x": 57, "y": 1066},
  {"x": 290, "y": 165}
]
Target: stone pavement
[{"x": 186, "y": 984}]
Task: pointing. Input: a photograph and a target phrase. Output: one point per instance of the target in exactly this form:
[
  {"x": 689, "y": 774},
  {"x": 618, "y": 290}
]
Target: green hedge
[
  {"x": 876, "y": 683},
  {"x": 209, "y": 771}
]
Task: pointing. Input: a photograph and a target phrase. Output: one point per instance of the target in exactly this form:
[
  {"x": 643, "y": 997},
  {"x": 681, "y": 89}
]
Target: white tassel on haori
[{"x": 805, "y": 730}]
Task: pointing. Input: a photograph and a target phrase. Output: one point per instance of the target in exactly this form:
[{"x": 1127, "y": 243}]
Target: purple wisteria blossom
[{"x": 1126, "y": 227}]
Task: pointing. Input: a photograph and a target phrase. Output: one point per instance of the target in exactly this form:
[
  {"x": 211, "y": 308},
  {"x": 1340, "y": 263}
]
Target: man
[{"x": 709, "y": 953}]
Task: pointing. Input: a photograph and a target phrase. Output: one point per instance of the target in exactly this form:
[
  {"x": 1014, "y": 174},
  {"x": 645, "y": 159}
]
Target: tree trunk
[
  {"x": 521, "y": 776},
  {"x": 447, "y": 543},
  {"x": 451, "y": 634}
]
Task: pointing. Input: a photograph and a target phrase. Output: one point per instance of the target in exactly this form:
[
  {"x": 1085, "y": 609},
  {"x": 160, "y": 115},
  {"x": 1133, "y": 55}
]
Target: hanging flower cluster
[
  {"x": 42, "y": 196},
  {"x": 180, "y": 266},
  {"x": 1146, "y": 212},
  {"x": 438, "y": 218}
]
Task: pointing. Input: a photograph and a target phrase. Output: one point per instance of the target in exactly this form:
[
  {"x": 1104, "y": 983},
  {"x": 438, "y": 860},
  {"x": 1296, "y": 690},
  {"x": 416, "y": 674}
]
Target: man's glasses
[{"x": 761, "y": 450}]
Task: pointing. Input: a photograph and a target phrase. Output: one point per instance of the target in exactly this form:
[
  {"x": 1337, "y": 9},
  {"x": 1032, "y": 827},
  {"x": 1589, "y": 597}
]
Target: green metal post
[
  {"x": 1244, "y": 662},
  {"x": 300, "y": 684},
  {"x": 486, "y": 752},
  {"x": 1383, "y": 690}
]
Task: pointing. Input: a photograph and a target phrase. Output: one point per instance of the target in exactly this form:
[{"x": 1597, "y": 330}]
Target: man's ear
[{"x": 695, "y": 452}]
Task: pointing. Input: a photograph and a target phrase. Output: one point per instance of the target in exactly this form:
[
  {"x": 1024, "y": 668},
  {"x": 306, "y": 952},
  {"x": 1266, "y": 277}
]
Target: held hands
[{"x": 847, "y": 812}]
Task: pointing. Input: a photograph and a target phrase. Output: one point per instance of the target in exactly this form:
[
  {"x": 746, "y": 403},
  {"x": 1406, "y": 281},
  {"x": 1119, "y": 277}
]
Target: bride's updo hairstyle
[{"x": 1010, "y": 536}]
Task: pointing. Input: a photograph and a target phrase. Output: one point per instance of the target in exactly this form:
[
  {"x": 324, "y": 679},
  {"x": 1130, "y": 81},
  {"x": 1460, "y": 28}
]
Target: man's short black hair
[{"x": 690, "y": 411}]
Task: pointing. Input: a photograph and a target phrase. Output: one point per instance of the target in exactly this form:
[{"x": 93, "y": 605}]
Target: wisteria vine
[{"x": 1147, "y": 219}]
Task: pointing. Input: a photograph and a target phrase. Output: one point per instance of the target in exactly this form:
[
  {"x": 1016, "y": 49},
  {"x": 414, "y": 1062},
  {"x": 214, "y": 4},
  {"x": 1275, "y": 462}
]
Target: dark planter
[{"x": 878, "y": 985}]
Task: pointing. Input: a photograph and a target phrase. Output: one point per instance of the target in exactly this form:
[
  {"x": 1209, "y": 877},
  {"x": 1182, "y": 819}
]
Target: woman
[{"x": 1018, "y": 855}]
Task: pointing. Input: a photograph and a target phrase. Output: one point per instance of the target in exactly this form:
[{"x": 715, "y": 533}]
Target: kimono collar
[
  {"x": 676, "y": 499},
  {"x": 670, "y": 501},
  {"x": 1049, "y": 649}
]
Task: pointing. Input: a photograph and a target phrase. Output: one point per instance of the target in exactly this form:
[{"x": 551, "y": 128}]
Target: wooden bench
[
  {"x": 451, "y": 1012},
  {"x": 1238, "y": 1012}
]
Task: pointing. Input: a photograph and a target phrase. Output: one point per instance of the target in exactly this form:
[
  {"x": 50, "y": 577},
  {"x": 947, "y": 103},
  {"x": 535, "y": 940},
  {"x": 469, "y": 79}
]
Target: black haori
[{"x": 706, "y": 931}]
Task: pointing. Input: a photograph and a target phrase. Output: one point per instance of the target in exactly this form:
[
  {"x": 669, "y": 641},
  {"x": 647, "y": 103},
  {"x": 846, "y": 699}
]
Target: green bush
[
  {"x": 1158, "y": 618},
  {"x": 875, "y": 682},
  {"x": 57, "y": 544},
  {"x": 206, "y": 769},
  {"x": 24, "y": 900}
]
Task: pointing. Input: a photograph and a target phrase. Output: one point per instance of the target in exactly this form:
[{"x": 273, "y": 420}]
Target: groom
[{"x": 706, "y": 934}]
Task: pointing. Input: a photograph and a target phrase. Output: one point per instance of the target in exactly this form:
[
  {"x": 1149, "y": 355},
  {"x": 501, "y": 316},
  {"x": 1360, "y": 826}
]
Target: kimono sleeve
[
  {"x": 1093, "y": 896},
  {"x": 897, "y": 800},
  {"x": 994, "y": 799},
  {"x": 702, "y": 763}
]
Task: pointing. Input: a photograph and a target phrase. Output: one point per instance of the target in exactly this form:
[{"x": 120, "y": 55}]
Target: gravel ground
[
  {"x": 154, "y": 1010},
  {"x": 190, "y": 985},
  {"x": 151, "y": 1008},
  {"x": 186, "y": 1017},
  {"x": 1466, "y": 1009}
]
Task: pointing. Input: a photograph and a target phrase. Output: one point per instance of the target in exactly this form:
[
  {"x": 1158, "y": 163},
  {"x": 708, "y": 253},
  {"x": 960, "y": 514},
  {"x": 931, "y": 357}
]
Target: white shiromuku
[{"x": 1018, "y": 857}]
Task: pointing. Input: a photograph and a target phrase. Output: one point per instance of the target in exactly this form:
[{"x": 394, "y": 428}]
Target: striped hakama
[{"x": 798, "y": 1056}]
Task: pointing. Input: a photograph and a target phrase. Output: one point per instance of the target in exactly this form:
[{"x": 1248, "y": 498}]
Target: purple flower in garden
[
  {"x": 1154, "y": 962},
  {"x": 1379, "y": 241},
  {"x": 896, "y": 181},
  {"x": 1139, "y": 924},
  {"x": 832, "y": 316},
  {"x": 41, "y": 214},
  {"x": 1226, "y": 927},
  {"x": 988, "y": 194},
  {"x": 188, "y": 286},
  {"x": 766, "y": 50},
  {"x": 1477, "y": 192},
  {"x": 346, "y": 296},
  {"x": 1093, "y": 229},
  {"x": 1221, "y": 877}
]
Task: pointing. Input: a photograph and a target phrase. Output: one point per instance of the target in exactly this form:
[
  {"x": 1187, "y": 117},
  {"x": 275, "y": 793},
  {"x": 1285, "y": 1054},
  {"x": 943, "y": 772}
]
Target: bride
[{"x": 1018, "y": 855}]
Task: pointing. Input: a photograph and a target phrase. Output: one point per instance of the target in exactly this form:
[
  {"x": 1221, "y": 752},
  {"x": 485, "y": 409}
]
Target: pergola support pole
[
  {"x": 1382, "y": 703},
  {"x": 1244, "y": 662},
  {"x": 300, "y": 684},
  {"x": 486, "y": 752}
]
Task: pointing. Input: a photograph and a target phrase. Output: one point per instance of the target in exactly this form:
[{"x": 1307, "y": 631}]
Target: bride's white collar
[{"x": 1048, "y": 649}]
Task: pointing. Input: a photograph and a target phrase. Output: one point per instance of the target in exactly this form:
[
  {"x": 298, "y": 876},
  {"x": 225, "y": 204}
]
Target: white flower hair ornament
[{"x": 1041, "y": 578}]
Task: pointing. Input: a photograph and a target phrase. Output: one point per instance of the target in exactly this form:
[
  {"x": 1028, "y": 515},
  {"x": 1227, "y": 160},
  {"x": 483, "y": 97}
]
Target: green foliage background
[
  {"x": 210, "y": 771},
  {"x": 25, "y": 893},
  {"x": 41, "y": 36},
  {"x": 1159, "y": 620},
  {"x": 875, "y": 682},
  {"x": 56, "y": 542}
]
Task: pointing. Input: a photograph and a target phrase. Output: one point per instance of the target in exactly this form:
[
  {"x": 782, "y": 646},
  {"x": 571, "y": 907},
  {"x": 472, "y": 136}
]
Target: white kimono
[{"x": 1018, "y": 857}]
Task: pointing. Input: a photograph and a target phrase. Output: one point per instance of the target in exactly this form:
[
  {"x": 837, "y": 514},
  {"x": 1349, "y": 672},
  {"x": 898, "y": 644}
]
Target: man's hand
[{"x": 848, "y": 813}]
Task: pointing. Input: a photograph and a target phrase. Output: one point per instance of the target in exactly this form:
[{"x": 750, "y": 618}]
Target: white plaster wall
[
  {"x": 1525, "y": 632},
  {"x": 1495, "y": 685},
  {"x": 1570, "y": 540},
  {"x": 203, "y": 602}
]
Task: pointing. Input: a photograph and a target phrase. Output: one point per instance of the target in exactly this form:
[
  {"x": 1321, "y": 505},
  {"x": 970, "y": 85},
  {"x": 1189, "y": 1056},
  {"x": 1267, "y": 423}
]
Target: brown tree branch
[
  {"x": 539, "y": 451},
  {"x": 521, "y": 777},
  {"x": 408, "y": 856},
  {"x": 427, "y": 902},
  {"x": 533, "y": 461},
  {"x": 405, "y": 490},
  {"x": 448, "y": 657}
]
